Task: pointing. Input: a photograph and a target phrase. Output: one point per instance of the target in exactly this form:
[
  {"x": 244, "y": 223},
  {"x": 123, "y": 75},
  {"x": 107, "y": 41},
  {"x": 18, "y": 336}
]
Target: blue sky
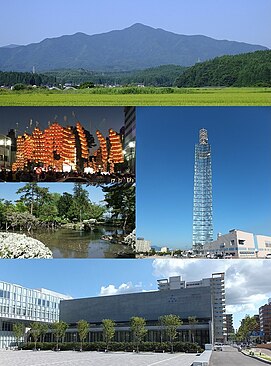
[
  {"x": 245, "y": 292},
  {"x": 240, "y": 143},
  {"x": 31, "y": 21},
  {"x": 8, "y": 190}
]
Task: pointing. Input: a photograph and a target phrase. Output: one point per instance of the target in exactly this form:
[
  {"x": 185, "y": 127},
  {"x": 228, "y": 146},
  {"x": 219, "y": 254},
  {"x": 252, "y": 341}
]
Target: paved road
[
  {"x": 69, "y": 358},
  {"x": 263, "y": 350},
  {"x": 231, "y": 357}
]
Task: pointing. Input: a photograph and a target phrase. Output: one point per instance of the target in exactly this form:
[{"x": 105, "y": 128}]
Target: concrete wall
[{"x": 149, "y": 305}]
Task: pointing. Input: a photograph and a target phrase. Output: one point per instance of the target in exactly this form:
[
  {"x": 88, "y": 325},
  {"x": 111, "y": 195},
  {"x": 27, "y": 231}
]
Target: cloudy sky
[{"x": 247, "y": 281}]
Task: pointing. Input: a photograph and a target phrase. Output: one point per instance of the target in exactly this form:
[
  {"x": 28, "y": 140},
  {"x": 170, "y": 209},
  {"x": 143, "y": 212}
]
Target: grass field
[{"x": 139, "y": 97}]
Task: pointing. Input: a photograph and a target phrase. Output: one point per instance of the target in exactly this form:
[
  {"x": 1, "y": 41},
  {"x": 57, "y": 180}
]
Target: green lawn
[{"x": 156, "y": 97}]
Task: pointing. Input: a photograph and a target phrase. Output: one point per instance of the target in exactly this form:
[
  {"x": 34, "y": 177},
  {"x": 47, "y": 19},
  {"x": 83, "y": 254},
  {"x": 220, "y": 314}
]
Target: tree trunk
[{"x": 124, "y": 224}]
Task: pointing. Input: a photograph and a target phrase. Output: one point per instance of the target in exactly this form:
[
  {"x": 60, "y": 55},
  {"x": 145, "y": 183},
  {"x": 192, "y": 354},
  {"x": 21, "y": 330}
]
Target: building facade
[
  {"x": 130, "y": 136},
  {"x": 229, "y": 326},
  {"x": 5, "y": 152},
  {"x": 142, "y": 245},
  {"x": 24, "y": 305},
  {"x": 239, "y": 244},
  {"x": 265, "y": 321},
  {"x": 202, "y": 299},
  {"x": 216, "y": 284},
  {"x": 202, "y": 204}
]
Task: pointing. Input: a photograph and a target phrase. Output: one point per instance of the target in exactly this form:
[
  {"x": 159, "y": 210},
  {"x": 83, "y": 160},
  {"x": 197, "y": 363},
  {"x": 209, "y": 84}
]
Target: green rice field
[{"x": 139, "y": 97}]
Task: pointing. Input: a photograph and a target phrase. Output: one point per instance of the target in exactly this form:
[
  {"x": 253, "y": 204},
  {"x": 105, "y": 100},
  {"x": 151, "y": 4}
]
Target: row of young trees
[
  {"x": 36, "y": 205},
  {"x": 168, "y": 325}
]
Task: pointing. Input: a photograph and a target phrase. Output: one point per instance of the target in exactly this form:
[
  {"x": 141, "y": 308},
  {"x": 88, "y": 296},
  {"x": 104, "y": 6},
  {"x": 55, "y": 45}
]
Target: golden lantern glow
[
  {"x": 58, "y": 146},
  {"x": 104, "y": 153},
  {"x": 83, "y": 140},
  {"x": 69, "y": 147}
]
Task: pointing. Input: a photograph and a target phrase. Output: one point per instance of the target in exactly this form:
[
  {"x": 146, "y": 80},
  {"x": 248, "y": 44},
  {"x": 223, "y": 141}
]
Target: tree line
[
  {"x": 162, "y": 76},
  {"x": 37, "y": 207},
  {"x": 26, "y": 78},
  {"x": 249, "y": 69},
  {"x": 168, "y": 325}
]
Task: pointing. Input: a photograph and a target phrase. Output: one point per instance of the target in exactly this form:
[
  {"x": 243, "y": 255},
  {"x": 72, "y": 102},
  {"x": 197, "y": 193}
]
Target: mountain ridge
[{"x": 135, "y": 47}]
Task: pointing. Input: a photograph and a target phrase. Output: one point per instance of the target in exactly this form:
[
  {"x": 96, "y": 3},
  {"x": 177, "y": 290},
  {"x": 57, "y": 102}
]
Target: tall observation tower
[{"x": 202, "y": 208}]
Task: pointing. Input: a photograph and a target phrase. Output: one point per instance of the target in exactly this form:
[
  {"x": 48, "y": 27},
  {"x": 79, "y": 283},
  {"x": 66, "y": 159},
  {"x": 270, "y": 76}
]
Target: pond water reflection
[{"x": 68, "y": 243}]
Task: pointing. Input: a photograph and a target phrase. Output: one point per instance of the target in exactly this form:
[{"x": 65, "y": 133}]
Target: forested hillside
[
  {"x": 250, "y": 69},
  {"x": 156, "y": 76},
  {"x": 27, "y": 78}
]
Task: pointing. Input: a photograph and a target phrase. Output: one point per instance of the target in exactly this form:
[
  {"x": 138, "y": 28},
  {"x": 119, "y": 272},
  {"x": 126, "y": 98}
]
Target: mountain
[
  {"x": 250, "y": 69},
  {"x": 11, "y": 46},
  {"x": 136, "y": 47}
]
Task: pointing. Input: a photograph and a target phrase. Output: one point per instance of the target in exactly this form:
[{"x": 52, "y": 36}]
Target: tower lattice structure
[{"x": 203, "y": 202}]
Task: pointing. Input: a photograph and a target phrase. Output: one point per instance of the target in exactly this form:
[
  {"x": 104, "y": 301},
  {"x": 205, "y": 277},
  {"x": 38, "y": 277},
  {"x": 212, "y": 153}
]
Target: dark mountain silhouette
[{"x": 136, "y": 47}]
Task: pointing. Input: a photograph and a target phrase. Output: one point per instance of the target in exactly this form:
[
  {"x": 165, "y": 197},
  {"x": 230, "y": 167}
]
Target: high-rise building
[
  {"x": 229, "y": 325},
  {"x": 24, "y": 305},
  {"x": 142, "y": 245},
  {"x": 5, "y": 152},
  {"x": 217, "y": 285},
  {"x": 130, "y": 136},
  {"x": 265, "y": 321},
  {"x": 202, "y": 208}
]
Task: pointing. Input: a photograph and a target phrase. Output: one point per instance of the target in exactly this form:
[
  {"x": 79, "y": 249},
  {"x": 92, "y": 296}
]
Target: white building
[
  {"x": 5, "y": 152},
  {"x": 164, "y": 250},
  {"x": 239, "y": 244},
  {"x": 24, "y": 305},
  {"x": 142, "y": 245},
  {"x": 217, "y": 284}
]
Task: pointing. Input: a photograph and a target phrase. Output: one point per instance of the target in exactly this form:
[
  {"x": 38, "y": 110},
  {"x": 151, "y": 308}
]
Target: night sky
[{"x": 92, "y": 118}]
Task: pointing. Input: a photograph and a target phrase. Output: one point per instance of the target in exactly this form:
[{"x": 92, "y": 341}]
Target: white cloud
[
  {"x": 124, "y": 288},
  {"x": 244, "y": 308},
  {"x": 247, "y": 282},
  {"x": 189, "y": 269}
]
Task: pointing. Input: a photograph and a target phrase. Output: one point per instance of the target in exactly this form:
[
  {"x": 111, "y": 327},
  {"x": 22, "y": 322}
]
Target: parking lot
[{"x": 70, "y": 358}]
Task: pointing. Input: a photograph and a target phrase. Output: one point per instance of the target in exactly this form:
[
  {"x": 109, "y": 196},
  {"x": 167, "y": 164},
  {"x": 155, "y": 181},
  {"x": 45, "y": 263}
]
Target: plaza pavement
[{"x": 70, "y": 358}]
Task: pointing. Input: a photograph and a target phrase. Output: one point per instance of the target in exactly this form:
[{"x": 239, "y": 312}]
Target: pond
[{"x": 69, "y": 243}]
